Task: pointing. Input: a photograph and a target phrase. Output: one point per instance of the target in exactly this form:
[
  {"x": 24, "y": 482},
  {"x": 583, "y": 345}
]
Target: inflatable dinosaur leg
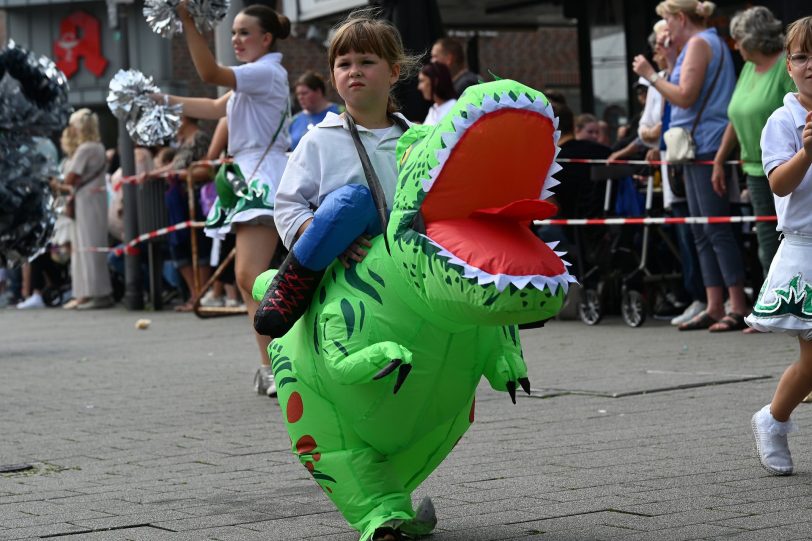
[
  {"x": 415, "y": 463},
  {"x": 359, "y": 480}
]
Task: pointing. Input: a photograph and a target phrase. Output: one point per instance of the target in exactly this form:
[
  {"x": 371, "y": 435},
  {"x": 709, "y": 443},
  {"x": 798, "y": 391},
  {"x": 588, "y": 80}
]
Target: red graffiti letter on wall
[{"x": 79, "y": 37}]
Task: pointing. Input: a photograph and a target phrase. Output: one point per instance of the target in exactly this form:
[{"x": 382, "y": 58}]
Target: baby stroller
[
  {"x": 653, "y": 280},
  {"x": 604, "y": 253}
]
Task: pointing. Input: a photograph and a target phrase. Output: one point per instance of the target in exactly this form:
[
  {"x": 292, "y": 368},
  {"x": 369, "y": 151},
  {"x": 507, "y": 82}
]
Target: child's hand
[
  {"x": 356, "y": 251},
  {"x": 806, "y": 136}
]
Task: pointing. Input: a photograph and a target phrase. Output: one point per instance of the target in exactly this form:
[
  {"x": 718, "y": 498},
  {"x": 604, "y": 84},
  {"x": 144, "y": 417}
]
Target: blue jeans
[
  {"x": 344, "y": 215},
  {"x": 691, "y": 275},
  {"x": 719, "y": 253}
]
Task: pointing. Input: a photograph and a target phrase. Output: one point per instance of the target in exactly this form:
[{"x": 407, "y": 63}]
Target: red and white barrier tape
[
  {"x": 136, "y": 179},
  {"x": 641, "y": 162},
  {"x": 131, "y": 247},
  {"x": 659, "y": 221}
]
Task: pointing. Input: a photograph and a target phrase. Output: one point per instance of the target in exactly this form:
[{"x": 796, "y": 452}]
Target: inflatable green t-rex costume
[{"x": 441, "y": 306}]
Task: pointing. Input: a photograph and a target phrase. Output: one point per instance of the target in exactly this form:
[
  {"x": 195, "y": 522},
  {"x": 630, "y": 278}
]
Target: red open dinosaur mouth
[{"x": 481, "y": 204}]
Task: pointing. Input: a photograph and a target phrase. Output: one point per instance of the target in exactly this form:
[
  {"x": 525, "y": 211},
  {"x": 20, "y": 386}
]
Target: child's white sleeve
[
  {"x": 298, "y": 189},
  {"x": 778, "y": 140}
]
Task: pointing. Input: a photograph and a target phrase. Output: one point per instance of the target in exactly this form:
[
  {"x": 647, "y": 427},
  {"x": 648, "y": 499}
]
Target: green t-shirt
[{"x": 756, "y": 96}]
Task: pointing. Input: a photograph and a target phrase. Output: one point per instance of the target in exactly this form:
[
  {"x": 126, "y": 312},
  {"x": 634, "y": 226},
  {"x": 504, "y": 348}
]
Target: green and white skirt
[
  {"x": 255, "y": 206},
  {"x": 784, "y": 304}
]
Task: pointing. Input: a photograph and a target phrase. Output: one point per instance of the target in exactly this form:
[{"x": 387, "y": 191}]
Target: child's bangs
[
  {"x": 799, "y": 36},
  {"x": 360, "y": 38}
]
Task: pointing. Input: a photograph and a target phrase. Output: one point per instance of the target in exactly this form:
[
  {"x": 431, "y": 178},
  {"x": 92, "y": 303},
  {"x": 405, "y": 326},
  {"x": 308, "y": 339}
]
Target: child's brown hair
[
  {"x": 361, "y": 32},
  {"x": 800, "y": 33}
]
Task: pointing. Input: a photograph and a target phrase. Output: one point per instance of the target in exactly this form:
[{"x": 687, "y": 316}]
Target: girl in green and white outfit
[{"x": 256, "y": 109}]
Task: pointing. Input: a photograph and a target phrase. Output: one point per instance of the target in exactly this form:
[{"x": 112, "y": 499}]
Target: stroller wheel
[
  {"x": 633, "y": 308},
  {"x": 589, "y": 309}
]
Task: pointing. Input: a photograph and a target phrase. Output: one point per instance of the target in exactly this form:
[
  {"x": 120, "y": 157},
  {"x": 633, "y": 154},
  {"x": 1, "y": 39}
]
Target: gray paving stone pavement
[{"x": 155, "y": 434}]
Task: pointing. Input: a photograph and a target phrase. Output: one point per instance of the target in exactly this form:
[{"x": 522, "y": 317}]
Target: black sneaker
[{"x": 287, "y": 298}]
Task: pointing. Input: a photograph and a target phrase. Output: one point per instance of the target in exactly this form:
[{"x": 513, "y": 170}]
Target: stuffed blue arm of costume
[
  {"x": 351, "y": 354},
  {"x": 505, "y": 368}
]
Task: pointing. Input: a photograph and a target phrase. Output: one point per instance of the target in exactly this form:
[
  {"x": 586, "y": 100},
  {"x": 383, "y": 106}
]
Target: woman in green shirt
[{"x": 760, "y": 90}]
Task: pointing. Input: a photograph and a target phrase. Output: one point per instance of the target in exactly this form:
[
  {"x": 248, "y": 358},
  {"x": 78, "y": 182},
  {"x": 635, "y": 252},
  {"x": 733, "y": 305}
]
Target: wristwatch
[{"x": 653, "y": 78}]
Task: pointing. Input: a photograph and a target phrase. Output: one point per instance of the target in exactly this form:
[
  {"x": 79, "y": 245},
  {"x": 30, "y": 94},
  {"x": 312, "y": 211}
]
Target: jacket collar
[{"x": 333, "y": 120}]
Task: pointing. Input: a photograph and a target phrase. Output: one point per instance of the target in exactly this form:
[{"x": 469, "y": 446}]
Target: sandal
[
  {"x": 699, "y": 322},
  {"x": 185, "y": 307},
  {"x": 731, "y": 322}
]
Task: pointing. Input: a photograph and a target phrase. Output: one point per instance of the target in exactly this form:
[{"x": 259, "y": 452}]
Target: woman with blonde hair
[
  {"x": 699, "y": 89},
  {"x": 84, "y": 172}
]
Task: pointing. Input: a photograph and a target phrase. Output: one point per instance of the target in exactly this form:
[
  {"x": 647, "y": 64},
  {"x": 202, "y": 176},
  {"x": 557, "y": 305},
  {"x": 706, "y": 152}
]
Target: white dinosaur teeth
[
  {"x": 450, "y": 139},
  {"x": 501, "y": 281},
  {"x": 522, "y": 281},
  {"x": 552, "y": 244}
]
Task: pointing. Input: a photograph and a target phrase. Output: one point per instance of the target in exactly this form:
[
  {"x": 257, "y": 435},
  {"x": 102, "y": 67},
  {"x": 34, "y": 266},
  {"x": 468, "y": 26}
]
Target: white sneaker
[
  {"x": 693, "y": 310},
  {"x": 771, "y": 441},
  {"x": 232, "y": 303},
  {"x": 34, "y": 301},
  {"x": 263, "y": 381},
  {"x": 210, "y": 301}
]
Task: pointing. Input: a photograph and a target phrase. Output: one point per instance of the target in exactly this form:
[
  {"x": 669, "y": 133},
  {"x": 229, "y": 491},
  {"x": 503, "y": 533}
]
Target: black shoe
[{"x": 287, "y": 298}]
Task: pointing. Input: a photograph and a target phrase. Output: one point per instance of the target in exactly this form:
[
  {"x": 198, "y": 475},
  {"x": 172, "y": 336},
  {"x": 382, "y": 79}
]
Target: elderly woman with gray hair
[{"x": 760, "y": 90}]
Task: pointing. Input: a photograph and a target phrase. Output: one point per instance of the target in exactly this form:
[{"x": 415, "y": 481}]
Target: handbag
[
  {"x": 70, "y": 200},
  {"x": 680, "y": 146},
  {"x": 230, "y": 183}
]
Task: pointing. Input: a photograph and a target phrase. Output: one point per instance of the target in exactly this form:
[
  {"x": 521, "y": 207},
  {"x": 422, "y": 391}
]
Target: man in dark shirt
[
  {"x": 578, "y": 196},
  {"x": 449, "y": 52}
]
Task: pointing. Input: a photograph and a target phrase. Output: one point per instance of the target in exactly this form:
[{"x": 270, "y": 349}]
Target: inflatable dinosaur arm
[
  {"x": 351, "y": 356},
  {"x": 506, "y": 369}
]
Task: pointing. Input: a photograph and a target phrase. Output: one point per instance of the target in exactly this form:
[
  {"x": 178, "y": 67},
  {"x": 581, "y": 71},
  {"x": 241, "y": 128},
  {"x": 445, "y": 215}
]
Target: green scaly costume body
[{"x": 366, "y": 446}]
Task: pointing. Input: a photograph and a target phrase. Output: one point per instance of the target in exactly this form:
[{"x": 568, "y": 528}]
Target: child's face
[
  {"x": 799, "y": 66},
  {"x": 363, "y": 80}
]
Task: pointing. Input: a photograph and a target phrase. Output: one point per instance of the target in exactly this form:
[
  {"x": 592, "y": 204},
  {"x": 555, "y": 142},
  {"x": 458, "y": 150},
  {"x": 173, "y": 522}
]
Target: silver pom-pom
[
  {"x": 163, "y": 19},
  {"x": 130, "y": 99},
  {"x": 155, "y": 125},
  {"x": 130, "y": 91}
]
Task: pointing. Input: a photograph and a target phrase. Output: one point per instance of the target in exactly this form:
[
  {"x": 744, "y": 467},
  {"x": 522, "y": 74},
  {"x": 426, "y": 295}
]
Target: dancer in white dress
[
  {"x": 785, "y": 302},
  {"x": 257, "y": 112}
]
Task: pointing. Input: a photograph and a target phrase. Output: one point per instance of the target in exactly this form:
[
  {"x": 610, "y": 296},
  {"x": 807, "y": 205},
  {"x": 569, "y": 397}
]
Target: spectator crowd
[{"x": 688, "y": 91}]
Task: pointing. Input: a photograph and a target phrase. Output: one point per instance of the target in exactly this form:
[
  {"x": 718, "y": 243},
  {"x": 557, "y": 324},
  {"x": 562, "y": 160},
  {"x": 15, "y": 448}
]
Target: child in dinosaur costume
[{"x": 438, "y": 300}]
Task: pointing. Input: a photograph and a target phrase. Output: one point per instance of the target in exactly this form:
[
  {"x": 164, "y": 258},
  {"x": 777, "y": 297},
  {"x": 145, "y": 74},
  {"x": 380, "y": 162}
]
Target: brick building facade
[{"x": 543, "y": 57}]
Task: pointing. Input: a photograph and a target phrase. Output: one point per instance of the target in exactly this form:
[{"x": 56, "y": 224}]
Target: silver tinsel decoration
[
  {"x": 33, "y": 102},
  {"x": 33, "y": 93},
  {"x": 148, "y": 122},
  {"x": 163, "y": 19},
  {"x": 27, "y": 214}
]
